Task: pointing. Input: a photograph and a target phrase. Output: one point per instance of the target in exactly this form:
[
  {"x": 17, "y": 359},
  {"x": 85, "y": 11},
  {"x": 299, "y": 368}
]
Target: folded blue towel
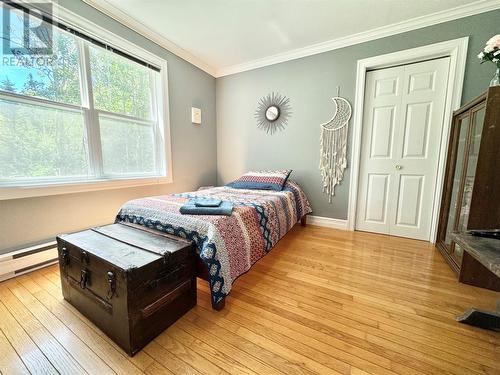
[
  {"x": 190, "y": 208},
  {"x": 206, "y": 202}
]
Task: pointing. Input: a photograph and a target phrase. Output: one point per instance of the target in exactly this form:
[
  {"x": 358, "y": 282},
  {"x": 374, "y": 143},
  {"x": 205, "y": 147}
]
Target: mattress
[{"x": 228, "y": 245}]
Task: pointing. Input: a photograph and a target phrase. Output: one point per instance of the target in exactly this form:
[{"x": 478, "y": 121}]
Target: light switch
[{"x": 195, "y": 115}]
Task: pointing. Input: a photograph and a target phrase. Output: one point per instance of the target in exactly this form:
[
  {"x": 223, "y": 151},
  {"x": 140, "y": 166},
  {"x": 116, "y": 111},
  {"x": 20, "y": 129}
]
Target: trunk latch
[
  {"x": 111, "y": 284},
  {"x": 85, "y": 257},
  {"x": 166, "y": 257},
  {"x": 65, "y": 256},
  {"x": 84, "y": 278}
]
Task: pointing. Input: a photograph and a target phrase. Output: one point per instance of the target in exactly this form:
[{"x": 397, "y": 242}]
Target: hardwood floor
[{"x": 322, "y": 302}]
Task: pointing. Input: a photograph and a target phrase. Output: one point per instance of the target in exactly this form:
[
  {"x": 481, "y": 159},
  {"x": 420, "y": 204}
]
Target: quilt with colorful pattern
[{"x": 228, "y": 245}]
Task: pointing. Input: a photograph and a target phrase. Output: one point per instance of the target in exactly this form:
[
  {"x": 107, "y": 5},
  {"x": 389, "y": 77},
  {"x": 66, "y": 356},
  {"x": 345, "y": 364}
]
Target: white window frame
[{"x": 163, "y": 162}]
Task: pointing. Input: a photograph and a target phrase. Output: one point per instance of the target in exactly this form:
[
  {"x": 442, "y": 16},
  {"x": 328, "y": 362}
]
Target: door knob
[{"x": 398, "y": 167}]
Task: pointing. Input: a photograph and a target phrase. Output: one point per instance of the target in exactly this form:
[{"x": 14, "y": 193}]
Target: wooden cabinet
[{"x": 471, "y": 195}]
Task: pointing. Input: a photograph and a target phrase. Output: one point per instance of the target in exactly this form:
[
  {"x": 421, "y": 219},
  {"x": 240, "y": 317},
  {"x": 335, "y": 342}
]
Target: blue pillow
[{"x": 262, "y": 180}]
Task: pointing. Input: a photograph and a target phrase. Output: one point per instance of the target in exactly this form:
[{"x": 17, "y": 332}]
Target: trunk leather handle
[{"x": 166, "y": 299}]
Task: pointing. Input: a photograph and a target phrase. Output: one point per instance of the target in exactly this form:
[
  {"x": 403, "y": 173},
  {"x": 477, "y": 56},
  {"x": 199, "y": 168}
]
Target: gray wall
[
  {"x": 204, "y": 155},
  {"x": 310, "y": 82},
  {"x": 32, "y": 220}
]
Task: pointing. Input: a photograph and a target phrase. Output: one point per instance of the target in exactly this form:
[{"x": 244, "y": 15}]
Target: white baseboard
[
  {"x": 26, "y": 260},
  {"x": 11, "y": 275},
  {"x": 327, "y": 222}
]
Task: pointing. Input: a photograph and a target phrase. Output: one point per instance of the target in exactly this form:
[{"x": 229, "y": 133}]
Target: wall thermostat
[{"x": 195, "y": 115}]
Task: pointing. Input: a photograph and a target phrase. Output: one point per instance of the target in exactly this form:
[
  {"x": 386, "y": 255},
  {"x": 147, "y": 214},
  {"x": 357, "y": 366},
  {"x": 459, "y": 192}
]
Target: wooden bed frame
[{"x": 202, "y": 272}]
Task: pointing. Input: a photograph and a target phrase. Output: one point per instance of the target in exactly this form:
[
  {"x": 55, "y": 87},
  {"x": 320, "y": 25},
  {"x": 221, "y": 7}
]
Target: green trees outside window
[{"x": 83, "y": 113}]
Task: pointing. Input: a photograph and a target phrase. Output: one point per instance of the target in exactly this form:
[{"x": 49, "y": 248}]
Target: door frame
[{"x": 456, "y": 49}]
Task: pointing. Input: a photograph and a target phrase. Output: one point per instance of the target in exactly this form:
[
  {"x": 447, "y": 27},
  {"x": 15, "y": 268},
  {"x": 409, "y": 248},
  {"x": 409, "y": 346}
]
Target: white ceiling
[{"x": 227, "y": 33}]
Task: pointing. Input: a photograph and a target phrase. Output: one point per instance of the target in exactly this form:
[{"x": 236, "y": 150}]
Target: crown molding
[
  {"x": 470, "y": 9},
  {"x": 118, "y": 15},
  {"x": 366, "y": 36}
]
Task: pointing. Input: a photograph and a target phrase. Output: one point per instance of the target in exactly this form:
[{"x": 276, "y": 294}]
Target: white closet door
[
  {"x": 402, "y": 129},
  {"x": 382, "y": 113}
]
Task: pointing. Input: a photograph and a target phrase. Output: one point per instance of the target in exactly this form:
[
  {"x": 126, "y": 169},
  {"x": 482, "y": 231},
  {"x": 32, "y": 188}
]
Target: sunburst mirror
[{"x": 272, "y": 112}]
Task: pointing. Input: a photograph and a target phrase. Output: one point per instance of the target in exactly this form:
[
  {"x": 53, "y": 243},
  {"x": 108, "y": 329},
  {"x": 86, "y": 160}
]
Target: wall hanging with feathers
[
  {"x": 333, "y": 144},
  {"x": 272, "y": 112}
]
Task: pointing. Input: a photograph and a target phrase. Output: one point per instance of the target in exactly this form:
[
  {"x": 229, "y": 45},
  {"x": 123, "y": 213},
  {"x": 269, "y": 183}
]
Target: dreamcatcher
[{"x": 333, "y": 143}]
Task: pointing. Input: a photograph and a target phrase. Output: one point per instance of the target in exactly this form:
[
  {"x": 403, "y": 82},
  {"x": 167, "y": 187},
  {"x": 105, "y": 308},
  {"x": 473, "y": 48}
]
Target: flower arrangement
[{"x": 491, "y": 51}]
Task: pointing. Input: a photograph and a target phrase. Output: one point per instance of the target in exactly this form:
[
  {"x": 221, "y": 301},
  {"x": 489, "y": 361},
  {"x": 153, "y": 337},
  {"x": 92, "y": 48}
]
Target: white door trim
[{"x": 456, "y": 49}]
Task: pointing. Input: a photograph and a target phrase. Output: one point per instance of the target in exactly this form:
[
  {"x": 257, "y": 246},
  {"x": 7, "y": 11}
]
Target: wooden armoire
[{"x": 471, "y": 195}]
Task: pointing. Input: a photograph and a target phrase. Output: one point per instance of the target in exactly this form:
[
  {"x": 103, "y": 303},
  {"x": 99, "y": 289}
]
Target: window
[{"x": 87, "y": 113}]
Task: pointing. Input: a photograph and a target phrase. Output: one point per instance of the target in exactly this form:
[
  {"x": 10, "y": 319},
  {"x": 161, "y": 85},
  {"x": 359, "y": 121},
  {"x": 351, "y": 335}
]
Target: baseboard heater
[{"x": 18, "y": 262}]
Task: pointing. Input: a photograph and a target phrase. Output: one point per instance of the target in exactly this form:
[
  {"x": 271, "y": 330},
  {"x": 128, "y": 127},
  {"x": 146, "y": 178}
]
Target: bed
[{"x": 227, "y": 245}]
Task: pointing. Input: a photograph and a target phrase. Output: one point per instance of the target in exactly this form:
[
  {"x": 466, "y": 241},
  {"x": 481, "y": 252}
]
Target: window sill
[{"x": 27, "y": 191}]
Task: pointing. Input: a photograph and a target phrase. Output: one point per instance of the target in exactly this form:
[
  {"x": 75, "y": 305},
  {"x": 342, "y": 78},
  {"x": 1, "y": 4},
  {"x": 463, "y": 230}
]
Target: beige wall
[{"x": 38, "y": 219}]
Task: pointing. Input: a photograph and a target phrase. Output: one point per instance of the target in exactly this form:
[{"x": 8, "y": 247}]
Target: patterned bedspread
[{"x": 228, "y": 245}]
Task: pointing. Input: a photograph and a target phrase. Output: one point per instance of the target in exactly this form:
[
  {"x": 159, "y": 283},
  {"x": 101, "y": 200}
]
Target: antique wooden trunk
[{"x": 130, "y": 282}]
